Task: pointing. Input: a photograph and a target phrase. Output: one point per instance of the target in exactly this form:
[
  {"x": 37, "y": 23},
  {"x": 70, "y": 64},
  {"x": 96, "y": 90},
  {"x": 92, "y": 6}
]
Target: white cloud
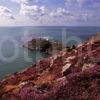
[
  {"x": 70, "y": 15},
  {"x": 5, "y": 13},
  {"x": 59, "y": 12},
  {"x": 80, "y": 10},
  {"x": 32, "y": 11},
  {"x": 85, "y": 4},
  {"x": 74, "y": 4},
  {"x": 29, "y": 14},
  {"x": 21, "y": 1}
]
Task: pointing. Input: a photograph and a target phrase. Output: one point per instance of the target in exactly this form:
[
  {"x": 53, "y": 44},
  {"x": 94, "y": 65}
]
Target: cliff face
[{"x": 73, "y": 75}]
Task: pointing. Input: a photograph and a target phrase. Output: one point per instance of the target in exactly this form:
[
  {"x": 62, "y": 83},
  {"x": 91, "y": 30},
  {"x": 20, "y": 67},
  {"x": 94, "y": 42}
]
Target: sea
[{"x": 15, "y": 58}]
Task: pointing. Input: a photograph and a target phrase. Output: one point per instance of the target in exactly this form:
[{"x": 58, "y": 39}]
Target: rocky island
[
  {"x": 71, "y": 75},
  {"x": 43, "y": 45}
]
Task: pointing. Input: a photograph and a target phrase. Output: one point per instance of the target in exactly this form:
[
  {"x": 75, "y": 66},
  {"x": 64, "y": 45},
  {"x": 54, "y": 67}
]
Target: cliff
[{"x": 71, "y": 75}]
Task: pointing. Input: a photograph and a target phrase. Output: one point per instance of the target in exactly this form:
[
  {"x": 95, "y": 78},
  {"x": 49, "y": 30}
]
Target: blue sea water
[{"x": 11, "y": 35}]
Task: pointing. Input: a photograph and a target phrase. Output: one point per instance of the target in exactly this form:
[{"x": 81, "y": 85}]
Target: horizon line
[{"x": 49, "y": 26}]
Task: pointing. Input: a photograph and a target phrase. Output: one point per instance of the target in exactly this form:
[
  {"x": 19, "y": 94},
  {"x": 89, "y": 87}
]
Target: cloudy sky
[{"x": 49, "y": 12}]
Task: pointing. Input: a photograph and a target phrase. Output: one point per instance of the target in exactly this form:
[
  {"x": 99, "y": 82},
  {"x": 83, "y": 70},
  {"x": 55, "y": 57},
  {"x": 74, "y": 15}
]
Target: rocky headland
[{"x": 71, "y": 75}]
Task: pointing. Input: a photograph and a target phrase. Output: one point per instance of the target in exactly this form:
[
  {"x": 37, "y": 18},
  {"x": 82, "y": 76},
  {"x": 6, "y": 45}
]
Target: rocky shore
[{"x": 71, "y": 75}]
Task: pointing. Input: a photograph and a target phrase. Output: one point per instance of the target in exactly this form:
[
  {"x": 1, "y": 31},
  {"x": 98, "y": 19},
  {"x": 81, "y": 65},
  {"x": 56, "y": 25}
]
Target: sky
[{"x": 49, "y": 12}]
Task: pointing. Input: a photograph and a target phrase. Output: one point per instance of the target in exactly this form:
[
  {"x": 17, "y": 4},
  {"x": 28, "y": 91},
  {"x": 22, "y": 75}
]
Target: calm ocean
[{"x": 17, "y": 34}]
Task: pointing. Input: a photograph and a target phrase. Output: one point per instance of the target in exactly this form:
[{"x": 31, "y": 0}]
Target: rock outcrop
[
  {"x": 95, "y": 38},
  {"x": 43, "y": 45}
]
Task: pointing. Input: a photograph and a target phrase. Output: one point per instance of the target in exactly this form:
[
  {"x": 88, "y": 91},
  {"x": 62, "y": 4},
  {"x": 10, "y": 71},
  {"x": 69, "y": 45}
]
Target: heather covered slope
[{"x": 73, "y": 75}]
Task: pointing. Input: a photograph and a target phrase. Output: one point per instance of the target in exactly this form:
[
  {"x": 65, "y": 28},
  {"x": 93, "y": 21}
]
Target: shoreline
[{"x": 52, "y": 71}]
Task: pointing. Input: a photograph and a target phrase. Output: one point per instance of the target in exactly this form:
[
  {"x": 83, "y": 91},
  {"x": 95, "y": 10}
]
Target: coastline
[{"x": 52, "y": 71}]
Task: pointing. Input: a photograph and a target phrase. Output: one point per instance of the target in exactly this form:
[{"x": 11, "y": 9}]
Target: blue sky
[{"x": 50, "y": 12}]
